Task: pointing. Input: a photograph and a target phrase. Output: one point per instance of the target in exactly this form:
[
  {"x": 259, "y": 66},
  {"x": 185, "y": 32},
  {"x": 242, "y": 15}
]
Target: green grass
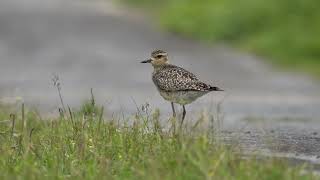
[
  {"x": 84, "y": 145},
  {"x": 283, "y": 31}
]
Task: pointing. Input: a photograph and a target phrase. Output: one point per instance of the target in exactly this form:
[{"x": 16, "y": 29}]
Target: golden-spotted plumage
[
  {"x": 169, "y": 77},
  {"x": 174, "y": 83}
]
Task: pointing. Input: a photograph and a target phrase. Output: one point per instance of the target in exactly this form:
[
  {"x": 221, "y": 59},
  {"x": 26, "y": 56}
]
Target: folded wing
[{"x": 173, "y": 78}]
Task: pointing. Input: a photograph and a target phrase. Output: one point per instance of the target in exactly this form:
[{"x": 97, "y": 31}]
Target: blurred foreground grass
[
  {"x": 286, "y": 32},
  {"x": 84, "y": 145}
]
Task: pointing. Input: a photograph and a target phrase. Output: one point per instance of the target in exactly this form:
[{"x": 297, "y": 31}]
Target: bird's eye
[{"x": 159, "y": 56}]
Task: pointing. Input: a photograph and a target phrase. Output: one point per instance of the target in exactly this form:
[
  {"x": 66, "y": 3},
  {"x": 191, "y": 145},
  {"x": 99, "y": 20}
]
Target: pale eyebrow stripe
[{"x": 163, "y": 54}]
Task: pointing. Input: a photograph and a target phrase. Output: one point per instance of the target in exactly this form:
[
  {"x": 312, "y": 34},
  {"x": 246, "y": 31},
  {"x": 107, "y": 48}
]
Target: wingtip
[{"x": 216, "y": 89}]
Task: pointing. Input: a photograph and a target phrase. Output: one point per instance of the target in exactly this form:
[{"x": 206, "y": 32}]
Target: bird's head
[{"x": 158, "y": 58}]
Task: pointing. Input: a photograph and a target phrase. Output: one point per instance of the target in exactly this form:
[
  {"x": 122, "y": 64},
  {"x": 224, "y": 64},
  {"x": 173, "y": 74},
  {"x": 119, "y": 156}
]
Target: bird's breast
[{"x": 181, "y": 97}]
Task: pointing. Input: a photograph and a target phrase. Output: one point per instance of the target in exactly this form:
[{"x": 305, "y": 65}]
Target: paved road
[{"x": 99, "y": 46}]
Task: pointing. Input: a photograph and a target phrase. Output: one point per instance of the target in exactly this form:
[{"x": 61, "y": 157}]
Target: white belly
[{"x": 182, "y": 97}]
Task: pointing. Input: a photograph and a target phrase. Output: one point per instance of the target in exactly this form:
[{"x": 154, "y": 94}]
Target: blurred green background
[{"x": 285, "y": 32}]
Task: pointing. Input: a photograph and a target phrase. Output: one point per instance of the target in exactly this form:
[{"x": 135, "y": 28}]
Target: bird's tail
[{"x": 212, "y": 88}]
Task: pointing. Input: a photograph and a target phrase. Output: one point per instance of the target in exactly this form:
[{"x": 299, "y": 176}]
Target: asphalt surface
[{"x": 98, "y": 45}]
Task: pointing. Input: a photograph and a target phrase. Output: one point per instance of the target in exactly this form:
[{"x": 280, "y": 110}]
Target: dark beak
[{"x": 146, "y": 61}]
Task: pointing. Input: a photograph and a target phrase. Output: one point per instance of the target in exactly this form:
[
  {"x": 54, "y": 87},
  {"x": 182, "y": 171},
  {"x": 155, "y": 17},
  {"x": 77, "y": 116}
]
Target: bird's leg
[
  {"x": 183, "y": 116},
  {"x": 173, "y": 119},
  {"x": 173, "y": 111}
]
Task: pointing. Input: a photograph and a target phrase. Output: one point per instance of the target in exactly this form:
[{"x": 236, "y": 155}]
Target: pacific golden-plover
[{"x": 176, "y": 84}]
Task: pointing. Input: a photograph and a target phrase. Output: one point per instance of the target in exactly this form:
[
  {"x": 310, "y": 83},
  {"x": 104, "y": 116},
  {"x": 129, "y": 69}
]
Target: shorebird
[{"x": 176, "y": 84}]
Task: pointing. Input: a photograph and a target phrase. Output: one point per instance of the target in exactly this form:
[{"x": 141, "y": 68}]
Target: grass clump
[
  {"x": 283, "y": 31},
  {"x": 85, "y": 145}
]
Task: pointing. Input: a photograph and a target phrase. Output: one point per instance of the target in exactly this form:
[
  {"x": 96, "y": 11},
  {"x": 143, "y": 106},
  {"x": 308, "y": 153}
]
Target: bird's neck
[{"x": 159, "y": 67}]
